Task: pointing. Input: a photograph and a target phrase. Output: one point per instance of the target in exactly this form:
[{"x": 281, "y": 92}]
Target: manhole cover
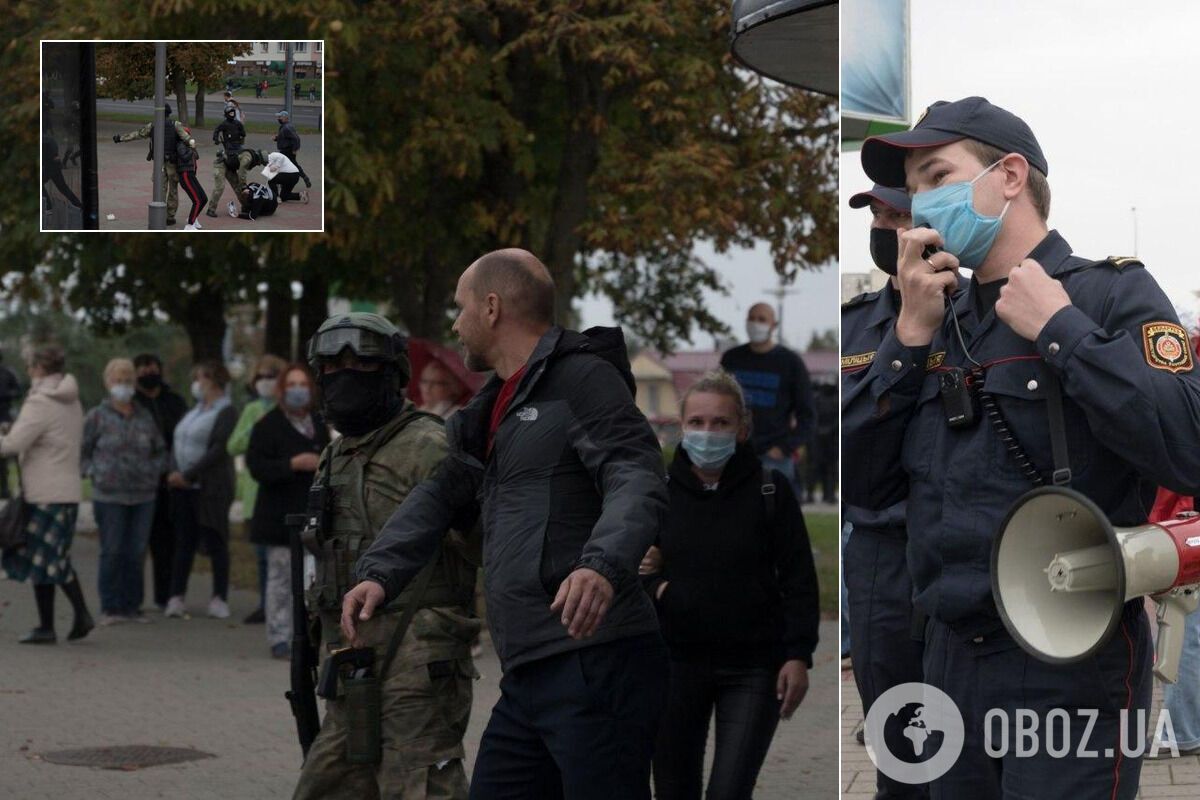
[{"x": 128, "y": 757}]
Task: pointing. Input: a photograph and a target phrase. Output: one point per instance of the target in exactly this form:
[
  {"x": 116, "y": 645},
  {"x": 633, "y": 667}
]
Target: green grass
[
  {"x": 274, "y": 90},
  {"x": 824, "y": 538},
  {"x": 210, "y": 122}
]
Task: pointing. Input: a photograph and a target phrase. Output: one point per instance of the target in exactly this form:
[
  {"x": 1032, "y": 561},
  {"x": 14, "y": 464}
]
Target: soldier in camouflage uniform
[
  {"x": 175, "y": 130},
  {"x": 388, "y": 447},
  {"x": 230, "y": 135}
]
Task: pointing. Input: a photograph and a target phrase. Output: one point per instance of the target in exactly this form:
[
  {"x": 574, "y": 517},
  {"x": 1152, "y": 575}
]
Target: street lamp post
[{"x": 158, "y": 208}]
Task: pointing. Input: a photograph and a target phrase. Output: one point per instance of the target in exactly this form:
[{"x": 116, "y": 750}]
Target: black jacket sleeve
[
  {"x": 266, "y": 460},
  {"x": 412, "y": 535},
  {"x": 617, "y": 446},
  {"x": 796, "y": 574},
  {"x": 223, "y": 427},
  {"x": 802, "y": 407}
]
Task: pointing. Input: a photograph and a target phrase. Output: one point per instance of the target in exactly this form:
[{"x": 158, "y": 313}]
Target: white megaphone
[{"x": 1061, "y": 574}]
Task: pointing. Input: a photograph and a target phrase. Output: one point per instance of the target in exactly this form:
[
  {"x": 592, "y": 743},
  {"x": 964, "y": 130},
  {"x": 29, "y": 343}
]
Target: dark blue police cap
[
  {"x": 945, "y": 122},
  {"x": 895, "y": 199}
]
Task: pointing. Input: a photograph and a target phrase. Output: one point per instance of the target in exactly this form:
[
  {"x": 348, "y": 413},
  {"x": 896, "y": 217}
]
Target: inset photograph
[{"x": 181, "y": 135}]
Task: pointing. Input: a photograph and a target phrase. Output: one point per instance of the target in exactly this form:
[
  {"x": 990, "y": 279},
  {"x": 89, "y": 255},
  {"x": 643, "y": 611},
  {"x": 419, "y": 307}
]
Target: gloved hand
[{"x": 116, "y": 138}]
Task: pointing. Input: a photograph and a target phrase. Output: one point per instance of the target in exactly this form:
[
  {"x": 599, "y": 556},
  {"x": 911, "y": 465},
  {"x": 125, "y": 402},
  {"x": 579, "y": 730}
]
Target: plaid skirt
[{"x": 45, "y": 558}]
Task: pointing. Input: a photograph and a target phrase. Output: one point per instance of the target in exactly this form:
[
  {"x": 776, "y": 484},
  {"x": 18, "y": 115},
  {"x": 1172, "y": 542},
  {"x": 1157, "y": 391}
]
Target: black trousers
[
  {"x": 291, "y": 154},
  {"x": 747, "y": 713},
  {"x": 283, "y": 184},
  {"x": 195, "y": 193},
  {"x": 882, "y": 648},
  {"x": 162, "y": 547},
  {"x": 578, "y": 725},
  {"x": 1093, "y": 695},
  {"x": 188, "y": 534}
]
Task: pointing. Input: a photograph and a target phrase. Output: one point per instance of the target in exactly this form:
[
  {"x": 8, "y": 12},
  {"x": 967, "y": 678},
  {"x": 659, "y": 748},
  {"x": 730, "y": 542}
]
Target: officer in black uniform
[
  {"x": 952, "y": 413},
  {"x": 883, "y": 650}
]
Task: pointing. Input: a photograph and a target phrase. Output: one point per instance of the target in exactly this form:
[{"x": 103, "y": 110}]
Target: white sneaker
[
  {"x": 304, "y": 195},
  {"x": 197, "y": 225},
  {"x": 189, "y": 227},
  {"x": 218, "y": 608},
  {"x": 175, "y": 608},
  {"x": 232, "y": 208}
]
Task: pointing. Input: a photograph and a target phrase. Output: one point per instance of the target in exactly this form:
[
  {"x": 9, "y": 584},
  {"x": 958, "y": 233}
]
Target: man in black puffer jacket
[{"x": 568, "y": 479}]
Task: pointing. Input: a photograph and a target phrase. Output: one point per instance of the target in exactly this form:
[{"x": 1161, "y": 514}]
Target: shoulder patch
[
  {"x": 1167, "y": 346},
  {"x": 935, "y": 360},
  {"x": 857, "y": 360},
  {"x": 1121, "y": 262}
]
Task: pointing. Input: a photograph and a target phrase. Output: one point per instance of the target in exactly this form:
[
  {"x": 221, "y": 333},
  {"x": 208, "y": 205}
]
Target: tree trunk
[
  {"x": 199, "y": 105},
  {"x": 203, "y": 318},
  {"x": 586, "y": 101},
  {"x": 278, "y": 322},
  {"x": 181, "y": 99},
  {"x": 312, "y": 310}
]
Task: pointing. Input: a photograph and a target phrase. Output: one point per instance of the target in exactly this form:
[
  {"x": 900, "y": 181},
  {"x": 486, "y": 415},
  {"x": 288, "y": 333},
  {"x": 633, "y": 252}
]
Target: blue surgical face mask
[
  {"x": 709, "y": 450},
  {"x": 296, "y": 397},
  {"x": 950, "y": 210}
]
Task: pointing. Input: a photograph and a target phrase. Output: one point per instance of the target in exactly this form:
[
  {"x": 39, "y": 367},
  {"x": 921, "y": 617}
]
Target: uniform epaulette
[
  {"x": 1121, "y": 262},
  {"x": 859, "y": 299}
]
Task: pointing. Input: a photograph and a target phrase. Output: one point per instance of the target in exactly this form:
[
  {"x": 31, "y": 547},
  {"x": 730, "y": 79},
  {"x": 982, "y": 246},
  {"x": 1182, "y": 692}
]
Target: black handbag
[{"x": 14, "y": 517}]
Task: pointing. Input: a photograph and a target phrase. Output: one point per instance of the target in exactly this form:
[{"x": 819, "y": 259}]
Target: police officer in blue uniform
[
  {"x": 883, "y": 649},
  {"x": 952, "y": 413}
]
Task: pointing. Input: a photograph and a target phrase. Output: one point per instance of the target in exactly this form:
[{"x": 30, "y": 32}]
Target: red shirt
[{"x": 503, "y": 401}]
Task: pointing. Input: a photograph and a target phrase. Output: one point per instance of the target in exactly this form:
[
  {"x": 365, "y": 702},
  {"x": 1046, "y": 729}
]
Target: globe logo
[{"x": 914, "y": 733}]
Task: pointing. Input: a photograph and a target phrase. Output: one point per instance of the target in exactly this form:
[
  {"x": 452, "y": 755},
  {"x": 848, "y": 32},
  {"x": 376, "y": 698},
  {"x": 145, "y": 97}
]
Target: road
[{"x": 253, "y": 110}]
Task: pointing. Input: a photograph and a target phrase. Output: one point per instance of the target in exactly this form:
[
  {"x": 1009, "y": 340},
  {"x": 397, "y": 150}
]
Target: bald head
[
  {"x": 761, "y": 312},
  {"x": 520, "y": 280}
]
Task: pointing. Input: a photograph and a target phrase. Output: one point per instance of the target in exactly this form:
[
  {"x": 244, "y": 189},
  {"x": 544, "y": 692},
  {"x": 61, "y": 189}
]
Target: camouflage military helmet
[{"x": 369, "y": 336}]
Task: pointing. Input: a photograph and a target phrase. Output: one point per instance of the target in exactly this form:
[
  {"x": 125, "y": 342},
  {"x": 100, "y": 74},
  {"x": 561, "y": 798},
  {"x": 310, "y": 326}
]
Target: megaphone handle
[{"x": 1172, "y": 611}]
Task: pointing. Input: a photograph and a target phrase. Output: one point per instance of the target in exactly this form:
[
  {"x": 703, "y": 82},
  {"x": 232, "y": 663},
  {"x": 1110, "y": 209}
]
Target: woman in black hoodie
[{"x": 733, "y": 580}]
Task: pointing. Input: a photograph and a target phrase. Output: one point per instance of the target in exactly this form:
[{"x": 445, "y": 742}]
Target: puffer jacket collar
[{"x": 467, "y": 430}]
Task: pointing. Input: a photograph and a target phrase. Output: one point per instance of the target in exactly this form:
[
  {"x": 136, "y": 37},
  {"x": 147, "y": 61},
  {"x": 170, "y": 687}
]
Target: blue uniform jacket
[
  {"x": 1132, "y": 408},
  {"x": 866, "y": 321}
]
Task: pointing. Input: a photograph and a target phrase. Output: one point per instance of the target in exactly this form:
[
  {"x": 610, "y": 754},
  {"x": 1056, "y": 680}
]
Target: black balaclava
[{"x": 357, "y": 402}]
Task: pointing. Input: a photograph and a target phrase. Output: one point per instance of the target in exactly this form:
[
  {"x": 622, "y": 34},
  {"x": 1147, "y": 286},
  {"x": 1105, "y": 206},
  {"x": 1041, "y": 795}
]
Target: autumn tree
[
  {"x": 607, "y": 136},
  {"x": 128, "y": 70}
]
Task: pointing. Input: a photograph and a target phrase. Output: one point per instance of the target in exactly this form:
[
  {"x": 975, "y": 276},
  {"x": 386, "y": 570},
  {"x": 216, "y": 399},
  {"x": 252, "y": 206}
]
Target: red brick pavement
[{"x": 126, "y": 184}]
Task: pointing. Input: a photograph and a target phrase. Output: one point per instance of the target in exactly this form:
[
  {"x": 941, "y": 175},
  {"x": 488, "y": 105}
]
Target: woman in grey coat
[{"x": 124, "y": 455}]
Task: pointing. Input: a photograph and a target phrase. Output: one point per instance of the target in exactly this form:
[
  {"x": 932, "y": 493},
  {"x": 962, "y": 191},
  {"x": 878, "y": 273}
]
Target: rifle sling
[{"x": 406, "y": 618}]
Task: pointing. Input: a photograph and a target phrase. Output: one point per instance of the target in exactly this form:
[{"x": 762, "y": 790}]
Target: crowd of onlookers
[
  {"x": 731, "y": 573},
  {"x": 163, "y": 480}
]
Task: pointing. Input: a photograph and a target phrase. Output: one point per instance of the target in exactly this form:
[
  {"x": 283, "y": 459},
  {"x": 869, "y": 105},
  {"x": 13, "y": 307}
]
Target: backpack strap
[{"x": 768, "y": 493}]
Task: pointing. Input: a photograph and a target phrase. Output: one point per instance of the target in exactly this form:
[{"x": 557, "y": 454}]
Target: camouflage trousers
[
  {"x": 172, "y": 176},
  {"x": 426, "y": 704},
  {"x": 237, "y": 179}
]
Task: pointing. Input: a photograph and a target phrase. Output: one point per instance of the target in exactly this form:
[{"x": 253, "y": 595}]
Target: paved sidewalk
[
  {"x": 209, "y": 684},
  {"x": 1178, "y": 777},
  {"x": 126, "y": 184}
]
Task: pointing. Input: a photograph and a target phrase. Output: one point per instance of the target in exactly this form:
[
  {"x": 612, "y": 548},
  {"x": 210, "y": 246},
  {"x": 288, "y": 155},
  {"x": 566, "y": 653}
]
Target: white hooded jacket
[{"x": 277, "y": 163}]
